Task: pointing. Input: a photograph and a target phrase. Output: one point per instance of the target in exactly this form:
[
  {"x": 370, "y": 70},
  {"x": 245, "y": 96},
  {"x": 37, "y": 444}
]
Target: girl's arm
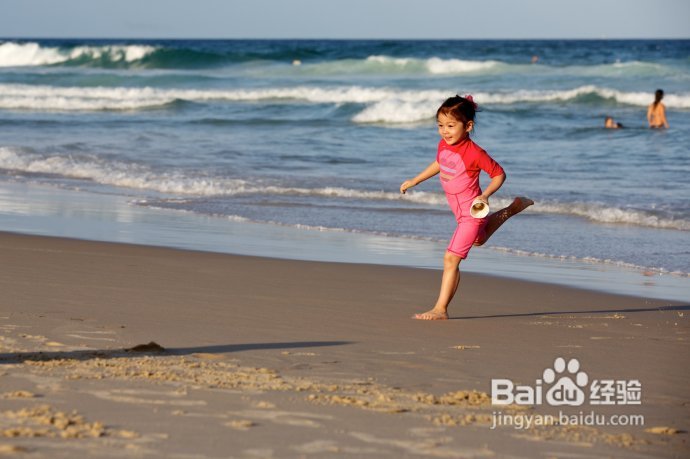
[
  {"x": 649, "y": 115},
  {"x": 427, "y": 173},
  {"x": 493, "y": 187}
]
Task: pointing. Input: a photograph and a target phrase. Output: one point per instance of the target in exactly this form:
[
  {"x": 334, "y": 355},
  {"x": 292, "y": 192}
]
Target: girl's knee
[{"x": 451, "y": 260}]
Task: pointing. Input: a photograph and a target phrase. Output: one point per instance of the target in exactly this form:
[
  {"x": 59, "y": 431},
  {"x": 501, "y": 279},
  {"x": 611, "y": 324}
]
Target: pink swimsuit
[{"x": 460, "y": 166}]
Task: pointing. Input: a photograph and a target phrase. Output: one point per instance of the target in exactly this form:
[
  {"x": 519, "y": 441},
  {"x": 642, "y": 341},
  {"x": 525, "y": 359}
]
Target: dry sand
[{"x": 111, "y": 350}]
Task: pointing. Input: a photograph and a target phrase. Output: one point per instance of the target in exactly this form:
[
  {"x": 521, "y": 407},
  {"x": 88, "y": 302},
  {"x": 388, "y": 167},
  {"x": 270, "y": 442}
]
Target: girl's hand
[
  {"x": 405, "y": 185},
  {"x": 484, "y": 199},
  {"x": 431, "y": 170}
]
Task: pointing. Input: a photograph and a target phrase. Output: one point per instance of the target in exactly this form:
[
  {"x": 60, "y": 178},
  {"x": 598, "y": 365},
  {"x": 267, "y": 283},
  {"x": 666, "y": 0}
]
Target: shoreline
[
  {"x": 248, "y": 347},
  {"x": 50, "y": 211}
]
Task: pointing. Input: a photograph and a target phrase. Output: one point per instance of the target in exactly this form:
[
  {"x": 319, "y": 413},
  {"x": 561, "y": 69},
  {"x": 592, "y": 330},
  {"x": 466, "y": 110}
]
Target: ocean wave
[
  {"x": 200, "y": 184},
  {"x": 198, "y": 56},
  {"x": 646, "y": 270},
  {"x": 601, "y": 213},
  {"x": 32, "y": 54},
  {"x": 379, "y": 64},
  {"x": 50, "y": 98},
  {"x": 30, "y": 97},
  {"x": 141, "y": 176},
  {"x": 119, "y": 174},
  {"x": 383, "y": 105},
  {"x": 403, "y": 109}
]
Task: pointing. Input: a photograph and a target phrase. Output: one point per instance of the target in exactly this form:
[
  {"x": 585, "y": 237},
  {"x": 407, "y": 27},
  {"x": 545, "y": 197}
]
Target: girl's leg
[
  {"x": 449, "y": 285},
  {"x": 451, "y": 261},
  {"x": 499, "y": 218}
]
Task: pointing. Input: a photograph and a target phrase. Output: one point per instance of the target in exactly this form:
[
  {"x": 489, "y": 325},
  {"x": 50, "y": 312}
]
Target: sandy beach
[{"x": 114, "y": 350}]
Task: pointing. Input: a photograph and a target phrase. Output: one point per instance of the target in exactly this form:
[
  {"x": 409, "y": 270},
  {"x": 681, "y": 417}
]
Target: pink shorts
[{"x": 469, "y": 231}]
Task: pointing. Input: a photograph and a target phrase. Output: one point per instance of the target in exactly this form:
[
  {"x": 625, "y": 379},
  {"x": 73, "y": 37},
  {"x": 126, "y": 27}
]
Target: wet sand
[{"x": 116, "y": 350}]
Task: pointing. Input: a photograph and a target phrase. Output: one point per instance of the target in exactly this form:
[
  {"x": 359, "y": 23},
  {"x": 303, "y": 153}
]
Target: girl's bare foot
[
  {"x": 519, "y": 204},
  {"x": 433, "y": 314},
  {"x": 499, "y": 218}
]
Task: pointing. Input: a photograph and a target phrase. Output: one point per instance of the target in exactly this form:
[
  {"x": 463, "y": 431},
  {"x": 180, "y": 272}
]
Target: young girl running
[{"x": 459, "y": 161}]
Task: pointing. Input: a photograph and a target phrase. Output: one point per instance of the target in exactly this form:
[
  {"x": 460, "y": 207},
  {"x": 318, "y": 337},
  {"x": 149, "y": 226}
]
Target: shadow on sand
[
  {"x": 157, "y": 350},
  {"x": 597, "y": 311}
]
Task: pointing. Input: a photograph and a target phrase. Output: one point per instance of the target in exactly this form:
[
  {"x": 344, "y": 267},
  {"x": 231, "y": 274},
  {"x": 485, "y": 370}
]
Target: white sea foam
[
  {"x": 396, "y": 62},
  {"x": 648, "y": 270},
  {"x": 413, "y": 108},
  {"x": 385, "y": 105},
  {"x": 434, "y": 65},
  {"x": 382, "y": 64},
  {"x": 120, "y": 174},
  {"x": 32, "y": 54},
  {"x": 28, "y": 54},
  {"x": 458, "y": 66},
  {"x": 606, "y": 214},
  {"x": 15, "y": 96},
  {"x": 142, "y": 177},
  {"x": 398, "y": 111}
]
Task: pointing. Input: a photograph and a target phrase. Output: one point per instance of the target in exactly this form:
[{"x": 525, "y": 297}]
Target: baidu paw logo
[{"x": 567, "y": 382}]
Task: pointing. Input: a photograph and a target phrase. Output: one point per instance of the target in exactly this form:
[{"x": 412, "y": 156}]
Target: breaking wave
[
  {"x": 385, "y": 105},
  {"x": 32, "y": 54}
]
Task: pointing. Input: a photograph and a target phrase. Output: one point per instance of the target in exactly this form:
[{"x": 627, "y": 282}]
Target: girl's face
[{"x": 452, "y": 130}]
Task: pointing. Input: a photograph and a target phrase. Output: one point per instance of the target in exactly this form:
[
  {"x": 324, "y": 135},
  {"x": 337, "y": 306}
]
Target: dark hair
[
  {"x": 658, "y": 95},
  {"x": 461, "y": 108}
]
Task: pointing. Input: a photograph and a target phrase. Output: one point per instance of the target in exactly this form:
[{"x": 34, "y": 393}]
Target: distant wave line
[
  {"x": 387, "y": 105},
  {"x": 146, "y": 56}
]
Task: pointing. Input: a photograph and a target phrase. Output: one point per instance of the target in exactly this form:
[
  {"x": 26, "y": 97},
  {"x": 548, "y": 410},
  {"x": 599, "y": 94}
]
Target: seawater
[{"x": 319, "y": 134}]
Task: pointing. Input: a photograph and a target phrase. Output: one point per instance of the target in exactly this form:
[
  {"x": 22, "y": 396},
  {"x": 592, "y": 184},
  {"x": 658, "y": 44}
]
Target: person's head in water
[
  {"x": 609, "y": 123},
  {"x": 658, "y": 95},
  {"x": 455, "y": 118}
]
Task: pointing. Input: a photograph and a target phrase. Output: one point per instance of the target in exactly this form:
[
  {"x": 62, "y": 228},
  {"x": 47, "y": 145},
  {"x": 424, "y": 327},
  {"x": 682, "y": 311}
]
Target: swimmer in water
[
  {"x": 609, "y": 123},
  {"x": 656, "y": 112}
]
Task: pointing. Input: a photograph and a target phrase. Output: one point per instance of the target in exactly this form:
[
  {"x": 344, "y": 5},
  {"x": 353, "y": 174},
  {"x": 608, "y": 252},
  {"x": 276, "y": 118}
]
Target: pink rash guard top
[{"x": 460, "y": 165}]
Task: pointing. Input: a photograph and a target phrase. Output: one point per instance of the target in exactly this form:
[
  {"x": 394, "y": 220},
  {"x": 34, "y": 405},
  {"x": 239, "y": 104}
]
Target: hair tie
[{"x": 471, "y": 99}]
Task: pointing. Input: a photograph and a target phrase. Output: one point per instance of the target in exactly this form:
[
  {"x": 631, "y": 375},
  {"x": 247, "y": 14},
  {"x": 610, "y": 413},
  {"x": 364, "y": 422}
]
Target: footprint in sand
[
  {"x": 463, "y": 347},
  {"x": 663, "y": 430},
  {"x": 19, "y": 394},
  {"x": 290, "y": 418},
  {"x": 141, "y": 397},
  {"x": 241, "y": 424},
  {"x": 12, "y": 449}
]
